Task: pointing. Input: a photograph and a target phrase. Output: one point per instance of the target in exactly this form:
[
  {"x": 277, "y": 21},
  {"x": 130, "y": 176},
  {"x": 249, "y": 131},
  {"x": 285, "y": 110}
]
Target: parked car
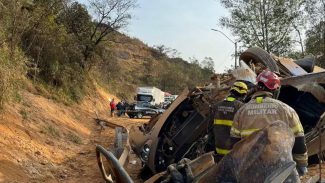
[{"x": 141, "y": 109}]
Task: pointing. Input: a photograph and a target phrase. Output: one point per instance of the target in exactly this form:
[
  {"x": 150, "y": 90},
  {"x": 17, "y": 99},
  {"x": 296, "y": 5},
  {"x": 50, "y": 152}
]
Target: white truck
[{"x": 152, "y": 95}]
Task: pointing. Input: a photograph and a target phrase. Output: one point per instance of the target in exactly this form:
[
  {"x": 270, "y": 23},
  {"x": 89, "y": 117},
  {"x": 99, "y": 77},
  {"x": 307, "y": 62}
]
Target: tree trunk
[
  {"x": 262, "y": 23},
  {"x": 300, "y": 40},
  {"x": 267, "y": 47}
]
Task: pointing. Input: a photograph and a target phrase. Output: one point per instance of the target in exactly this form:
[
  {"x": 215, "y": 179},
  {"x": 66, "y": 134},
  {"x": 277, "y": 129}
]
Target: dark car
[{"x": 140, "y": 109}]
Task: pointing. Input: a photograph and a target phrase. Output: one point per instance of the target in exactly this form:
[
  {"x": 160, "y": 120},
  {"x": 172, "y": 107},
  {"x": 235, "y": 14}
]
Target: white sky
[{"x": 184, "y": 25}]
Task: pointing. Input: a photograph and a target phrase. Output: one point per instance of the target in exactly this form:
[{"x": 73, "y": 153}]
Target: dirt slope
[{"x": 45, "y": 141}]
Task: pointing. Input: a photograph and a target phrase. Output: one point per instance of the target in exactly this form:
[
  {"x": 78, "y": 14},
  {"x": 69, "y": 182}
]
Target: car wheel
[
  {"x": 139, "y": 115},
  {"x": 131, "y": 116}
]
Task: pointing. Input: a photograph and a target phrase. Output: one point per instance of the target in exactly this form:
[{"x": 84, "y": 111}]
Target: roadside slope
[{"x": 45, "y": 141}]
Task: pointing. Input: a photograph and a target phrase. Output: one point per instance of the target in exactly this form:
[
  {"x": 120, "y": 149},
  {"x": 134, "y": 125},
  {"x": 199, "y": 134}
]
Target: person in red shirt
[{"x": 113, "y": 107}]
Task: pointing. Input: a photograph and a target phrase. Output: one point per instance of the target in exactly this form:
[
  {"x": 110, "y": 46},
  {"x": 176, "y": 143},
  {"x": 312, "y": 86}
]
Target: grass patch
[
  {"x": 24, "y": 114},
  {"x": 54, "y": 93},
  {"x": 52, "y": 131},
  {"x": 17, "y": 97},
  {"x": 74, "y": 138}
]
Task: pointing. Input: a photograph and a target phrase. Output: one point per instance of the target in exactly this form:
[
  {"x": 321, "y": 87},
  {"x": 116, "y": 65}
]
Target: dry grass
[
  {"x": 73, "y": 137},
  {"x": 53, "y": 131}
]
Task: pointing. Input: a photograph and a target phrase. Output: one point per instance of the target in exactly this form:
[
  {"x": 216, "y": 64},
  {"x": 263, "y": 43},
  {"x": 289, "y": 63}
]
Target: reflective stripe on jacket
[
  {"x": 224, "y": 113},
  {"x": 263, "y": 110}
]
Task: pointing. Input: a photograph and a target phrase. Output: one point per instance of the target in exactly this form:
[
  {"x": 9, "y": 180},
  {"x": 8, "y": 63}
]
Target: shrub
[{"x": 12, "y": 70}]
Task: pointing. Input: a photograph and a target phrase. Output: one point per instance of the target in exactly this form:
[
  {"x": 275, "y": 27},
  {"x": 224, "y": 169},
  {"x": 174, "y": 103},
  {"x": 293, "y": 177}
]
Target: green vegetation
[
  {"x": 278, "y": 26},
  {"x": 11, "y": 73},
  {"x": 24, "y": 114},
  {"x": 59, "y": 47},
  {"x": 63, "y": 51},
  {"x": 266, "y": 24}
]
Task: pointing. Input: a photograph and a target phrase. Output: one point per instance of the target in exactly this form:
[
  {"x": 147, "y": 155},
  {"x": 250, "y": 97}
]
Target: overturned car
[{"x": 181, "y": 131}]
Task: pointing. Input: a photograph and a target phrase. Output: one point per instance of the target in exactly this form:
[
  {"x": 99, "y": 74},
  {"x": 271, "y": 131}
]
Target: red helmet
[{"x": 269, "y": 79}]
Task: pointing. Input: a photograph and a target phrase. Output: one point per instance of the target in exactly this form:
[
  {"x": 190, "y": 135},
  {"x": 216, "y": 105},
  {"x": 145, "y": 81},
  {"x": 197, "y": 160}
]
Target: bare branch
[{"x": 112, "y": 15}]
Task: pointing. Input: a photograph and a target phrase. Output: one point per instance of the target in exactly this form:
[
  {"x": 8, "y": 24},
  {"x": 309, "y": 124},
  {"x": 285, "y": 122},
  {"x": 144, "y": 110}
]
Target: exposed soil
[
  {"x": 313, "y": 171},
  {"x": 45, "y": 141}
]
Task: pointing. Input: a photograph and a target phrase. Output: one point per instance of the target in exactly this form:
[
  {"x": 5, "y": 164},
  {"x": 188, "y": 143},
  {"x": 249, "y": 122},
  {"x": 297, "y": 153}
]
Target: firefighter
[
  {"x": 262, "y": 110},
  {"x": 224, "y": 113}
]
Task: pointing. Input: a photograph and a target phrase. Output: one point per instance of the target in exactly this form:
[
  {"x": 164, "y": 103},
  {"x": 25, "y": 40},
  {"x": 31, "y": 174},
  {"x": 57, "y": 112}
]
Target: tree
[
  {"x": 315, "y": 11},
  {"x": 55, "y": 55},
  {"x": 14, "y": 19},
  {"x": 208, "y": 64},
  {"x": 315, "y": 35},
  {"x": 164, "y": 51},
  {"x": 77, "y": 21},
  {"x": 315, "y": 42},
  {"x": 264, "y": 23},
  {"x": 109, "y": 16}
]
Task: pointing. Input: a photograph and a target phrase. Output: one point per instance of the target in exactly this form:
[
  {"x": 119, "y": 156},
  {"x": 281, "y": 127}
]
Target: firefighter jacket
[
  {"x": 224, "y": 113},
  {"x": 263, "y": 110}
]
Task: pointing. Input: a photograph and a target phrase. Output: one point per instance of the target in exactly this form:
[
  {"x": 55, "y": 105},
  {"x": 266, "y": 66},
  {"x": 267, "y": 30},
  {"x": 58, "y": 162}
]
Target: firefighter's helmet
[
  {"x": 269, "y": 79},
  {"x": 239, "y": 87}
]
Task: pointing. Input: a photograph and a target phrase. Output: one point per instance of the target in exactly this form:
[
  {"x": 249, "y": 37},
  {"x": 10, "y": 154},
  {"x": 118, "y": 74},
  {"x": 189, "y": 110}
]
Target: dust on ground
[{"x": 45, "y": 141}]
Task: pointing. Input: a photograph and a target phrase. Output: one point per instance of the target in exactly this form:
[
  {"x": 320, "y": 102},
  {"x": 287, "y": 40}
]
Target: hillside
[
  {"x": 45, "y": 141},
  {"x": 54, "y": 76},
  {"x": 47, "y": 137},
  {"x": 130, "y": 63}
]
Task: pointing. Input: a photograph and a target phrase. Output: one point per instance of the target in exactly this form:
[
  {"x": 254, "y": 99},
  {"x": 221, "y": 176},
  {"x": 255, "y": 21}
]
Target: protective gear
[
  {"x": 239, "y": 87},
  {"x": 269, "y": 79},
  {"x": 224, "y": 113},
  {"x": 302, "y": 170},
  {"x": 263, "y": 110}
]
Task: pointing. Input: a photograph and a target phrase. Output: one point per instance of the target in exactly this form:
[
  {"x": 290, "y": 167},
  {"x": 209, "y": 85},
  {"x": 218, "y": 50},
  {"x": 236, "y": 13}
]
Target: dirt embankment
[{"x": 45, "y": 141}]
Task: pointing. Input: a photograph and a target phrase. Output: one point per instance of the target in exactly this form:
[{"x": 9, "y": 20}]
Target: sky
[{"x": 184, "y": 25}]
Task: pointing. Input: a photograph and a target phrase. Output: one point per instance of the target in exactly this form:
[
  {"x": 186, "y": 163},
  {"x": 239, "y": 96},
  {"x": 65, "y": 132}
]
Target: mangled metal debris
[
  {"x": 265, "y": 155},
  {"x": 181, "y": 131}
]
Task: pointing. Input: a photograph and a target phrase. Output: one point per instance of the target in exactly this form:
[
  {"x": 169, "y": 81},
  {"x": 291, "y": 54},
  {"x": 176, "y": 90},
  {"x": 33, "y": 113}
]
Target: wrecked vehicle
[
  {"x": 264, "y": 156},
  {"x": 181, "y": 131}
]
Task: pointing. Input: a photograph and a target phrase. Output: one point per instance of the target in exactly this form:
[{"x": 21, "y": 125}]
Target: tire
[
  {"x": 131, "y": 116},
  {"x": 139, "y": 115},
  {"x": 258, "y": 55}
]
